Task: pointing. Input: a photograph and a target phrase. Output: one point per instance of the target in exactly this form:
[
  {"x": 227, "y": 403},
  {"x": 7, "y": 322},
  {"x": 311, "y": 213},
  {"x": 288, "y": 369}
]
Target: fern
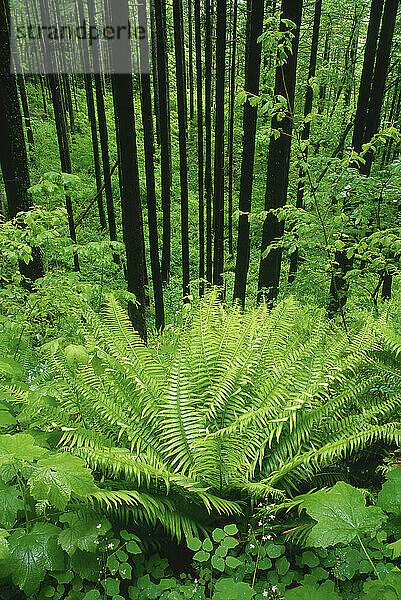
[{"x": 244, "y": 408}]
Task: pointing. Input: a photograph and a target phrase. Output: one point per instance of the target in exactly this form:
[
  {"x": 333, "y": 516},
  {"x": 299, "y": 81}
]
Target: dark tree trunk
[
  {"x": 130, "y": 199},
  {"x": 208, "y": 139},
  {"x": 68, "y": 100},
  {"x": 181, "y": 94},
  {"x": 155, "y": 76},
  {"x": 147, "y": 122},
  {"x": 199, "y": 108},
  {"x": 367, "y": 74},
  {"x": 279, "y": 161},
  {"x": 25, "y": 110},
  {"x": 64, "y": 149},
  {"x": 252, "y": 74},
  {"x": 90, "y": 104},
  {"x": 339, "y": 285},
  {"x": 13, "y": 156},
  {"x": 218, "y": 199},
  {"x": 379, "y": 78},
  {"x": 231, "y": 125},
  {"x": 306, "y": 129},
  {"x": 103, "y": 132},
  {"x": 165, "y": 147},
  {"x": 190, "y": 63}
]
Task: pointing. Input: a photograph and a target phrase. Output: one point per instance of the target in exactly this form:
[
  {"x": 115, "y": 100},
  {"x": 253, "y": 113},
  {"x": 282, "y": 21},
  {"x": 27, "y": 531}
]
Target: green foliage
[
  {"x": 341, "y": 515},
  {"x": 226, "y": 414}
]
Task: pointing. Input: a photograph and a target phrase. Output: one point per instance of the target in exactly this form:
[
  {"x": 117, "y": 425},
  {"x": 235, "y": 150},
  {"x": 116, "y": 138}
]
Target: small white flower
[
  {"x": 111, "y": 545},
  {"x": 260, "y": 523},
  {"x": 252, "y": 546},
  {"x": 99, "y": 526},
  {"x": 265, "y": 593},
  {"x": 274, "y": 588}
]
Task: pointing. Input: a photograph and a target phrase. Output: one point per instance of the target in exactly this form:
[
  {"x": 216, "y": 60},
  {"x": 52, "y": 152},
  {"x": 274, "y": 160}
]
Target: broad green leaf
[
  {"x": 309, "y": 592},
  {"x": 81, "y": 533},
  {"x": 218, "y": 563},
  {"x": 194, "y": 544},
  {"x": 218, "y": 534},
  {"x": 389, "y": 588},
  {"x": 76, "y": 355},
  {"x": 60, "y": 477},
  {"x": 10, "y": 504},
  {"x": 32, "y": 554},
  {"x": 341, "y": 515},
  {"x": 202, "y": 556},
  {"x": 234, "y": 590},
  {"x": 19, "y": 447},
  {"x": 207, "y": 545},
  {"x": 4, "y": 548},
  {"x": 389, "y": 498},
  {"x": 111, "y": 586},
  {"x": 231, "y": 529},
  {"x": 396, "y": 548},
  {"x": 6, "y": 418},
  {"x": 86, "y": 565},
  {"x": 133, "y": 548}
]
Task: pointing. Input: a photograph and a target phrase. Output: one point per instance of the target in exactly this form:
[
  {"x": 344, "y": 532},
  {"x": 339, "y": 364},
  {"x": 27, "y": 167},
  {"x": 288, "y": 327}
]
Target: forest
[{"x": 200, "y": 291}]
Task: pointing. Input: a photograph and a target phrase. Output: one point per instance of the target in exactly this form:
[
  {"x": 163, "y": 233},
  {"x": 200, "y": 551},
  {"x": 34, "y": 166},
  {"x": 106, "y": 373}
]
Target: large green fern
[{"x": 244, "y": 406}]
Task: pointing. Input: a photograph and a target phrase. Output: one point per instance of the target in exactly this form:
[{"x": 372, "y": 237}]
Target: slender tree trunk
[
  {"x": 13, "y": 155},
  {"x": 68, "y": 100},
  {"x": 103, "y": 132},
  {"x": 25, "y": 110},
  {"x": 199, "y": 108},
  {"x": 367, "y": 74},
  {"x": 231, "y": 127},
  {"x": 379, "y": 78},
  {"x": 165, "y": 146},
  {"x": 190, "y": 62},
  {"x": 208, "y": 139},
  {"x": 339, "y": 285},
  {"x": 131, "y": 199},
  {"x": 147, "y": 122},
  {"x": 181, "y": 94},
  {"x": 155, "y": 77},
  {"x": 306, "y": 128},
  {"x": 90, "y": 104},
  {"x": 279, "y": 161},
  {"x": 252, "y": 73},
  {"x": 218, "y": 199}
]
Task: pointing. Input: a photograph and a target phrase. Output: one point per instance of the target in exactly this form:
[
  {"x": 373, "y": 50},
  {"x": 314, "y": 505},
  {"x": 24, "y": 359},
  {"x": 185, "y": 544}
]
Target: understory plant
[{"x": 236, "y": 407}]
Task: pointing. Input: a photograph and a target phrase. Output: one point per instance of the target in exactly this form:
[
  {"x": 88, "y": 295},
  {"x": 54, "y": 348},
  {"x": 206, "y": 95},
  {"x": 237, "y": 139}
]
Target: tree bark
[
  {"x": 306, "y": 128},
  {"x": 165, "y": 145},
  {"x": 147, "y": 122},
  {"x": 181, "y": 109},
  {"x": 252, "y": 74},
  {"x": 218, "y": 199},
  {"x": 279, "y": 161},
  {"x": 199, "y": 109}
]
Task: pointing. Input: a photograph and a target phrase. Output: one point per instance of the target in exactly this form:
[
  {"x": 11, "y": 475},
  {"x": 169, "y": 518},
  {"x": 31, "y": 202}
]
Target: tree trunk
[
  {"x": 103, "y": 132},
  {"x": 199, "y": 108},
  {"x": 367, "y": 74},
  {"x": 165, "y": 145},
  {"x": 208, "y": 139},
  {"x": 13, "y": 155},
  {"x": 181, "y": 109},
  {"x": 279, "y": 161},
  {"x": 90, "y": 104},
  {"x": 130, "y": 199},
  {"x": 252, "y": 73},
  {"x": 379, "y": 78},
  {"x": 190, "y": 63},
  {"x": 147, "y": 122},
  {"x": 306, "y": 128},
  {"x": 231, "y": 125},
  {"x": 218, "y": 199}
]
